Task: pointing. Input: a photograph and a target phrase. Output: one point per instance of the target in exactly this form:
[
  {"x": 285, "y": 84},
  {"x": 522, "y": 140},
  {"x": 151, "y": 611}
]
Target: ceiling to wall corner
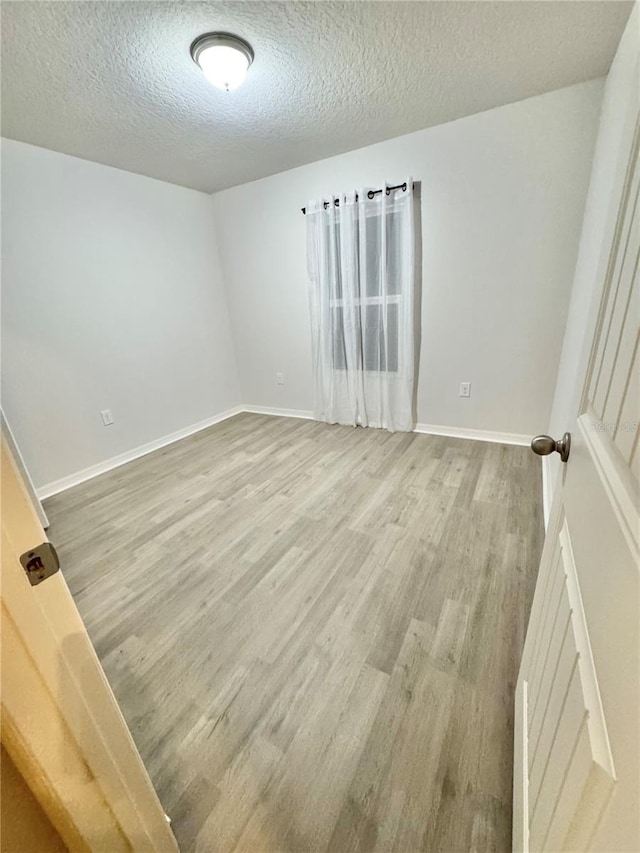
[{"x": 113, "y": 82}]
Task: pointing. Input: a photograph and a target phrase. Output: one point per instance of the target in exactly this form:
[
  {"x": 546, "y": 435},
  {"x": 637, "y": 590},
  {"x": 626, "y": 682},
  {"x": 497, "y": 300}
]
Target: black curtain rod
[{"x": 370, "y": 194}]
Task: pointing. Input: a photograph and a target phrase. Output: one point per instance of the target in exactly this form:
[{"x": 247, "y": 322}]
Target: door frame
[{"x": 61, "y": 723}]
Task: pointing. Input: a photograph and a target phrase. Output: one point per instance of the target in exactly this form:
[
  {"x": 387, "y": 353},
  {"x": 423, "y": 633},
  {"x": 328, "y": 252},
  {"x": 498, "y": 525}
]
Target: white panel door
[{"x": 577, "y": 732}]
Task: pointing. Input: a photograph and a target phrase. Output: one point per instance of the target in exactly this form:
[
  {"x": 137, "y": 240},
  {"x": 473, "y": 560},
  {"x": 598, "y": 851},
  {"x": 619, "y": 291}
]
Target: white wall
[
  {"x": 618, "y": 116},
  {"x": 113, "y": 295},
  {"x": 112, "y": 298},
  {"x": 502, "y": 201}
]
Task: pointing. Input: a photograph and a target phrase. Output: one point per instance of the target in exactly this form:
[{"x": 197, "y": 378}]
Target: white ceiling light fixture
[{"x": 223, "y": 58}]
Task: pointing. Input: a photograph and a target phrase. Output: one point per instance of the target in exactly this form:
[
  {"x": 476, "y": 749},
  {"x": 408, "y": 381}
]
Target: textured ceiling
[{"x": 113, "y": 81}]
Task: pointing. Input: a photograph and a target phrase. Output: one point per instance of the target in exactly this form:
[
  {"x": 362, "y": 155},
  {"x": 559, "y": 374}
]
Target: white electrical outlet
[
  {"x": 465, "y": 389},
  {"x": 107, "y": 417},
  {"x": 279, "y": 378}
]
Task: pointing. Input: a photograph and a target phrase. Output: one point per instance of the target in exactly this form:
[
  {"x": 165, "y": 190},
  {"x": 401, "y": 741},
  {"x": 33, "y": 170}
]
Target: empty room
[{"x": 320, "y": 406}]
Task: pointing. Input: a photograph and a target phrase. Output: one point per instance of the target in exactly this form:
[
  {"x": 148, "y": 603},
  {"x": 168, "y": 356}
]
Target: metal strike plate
[{"x": 40, "y": 563}]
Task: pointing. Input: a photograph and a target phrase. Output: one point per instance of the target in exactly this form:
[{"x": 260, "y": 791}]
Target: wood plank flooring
[{"x": 314, "y": 631}]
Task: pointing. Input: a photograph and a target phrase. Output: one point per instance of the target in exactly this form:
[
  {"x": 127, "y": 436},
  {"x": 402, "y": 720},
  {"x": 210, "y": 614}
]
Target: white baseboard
[
  {"x": 475, "y": 434},
  {"x": 427, "y": 429},
  {"x": 279, "y": 413},
  {"x": 116, "y": 461},
  {"x": 68, "y": 482}
]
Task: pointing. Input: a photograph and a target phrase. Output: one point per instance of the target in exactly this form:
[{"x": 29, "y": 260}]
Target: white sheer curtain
[{"x": 360, "y": 258}]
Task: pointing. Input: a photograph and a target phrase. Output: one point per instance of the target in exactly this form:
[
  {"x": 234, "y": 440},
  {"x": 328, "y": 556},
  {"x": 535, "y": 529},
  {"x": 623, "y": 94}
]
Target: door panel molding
[
  {"x": 564, "y": 773},
  {"x": 620, "y": 486},
  {"x": 616, "y": 254}
]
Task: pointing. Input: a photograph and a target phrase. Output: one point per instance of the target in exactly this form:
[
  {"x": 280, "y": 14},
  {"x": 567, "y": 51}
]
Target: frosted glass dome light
[{"x": 223, "y": 58}]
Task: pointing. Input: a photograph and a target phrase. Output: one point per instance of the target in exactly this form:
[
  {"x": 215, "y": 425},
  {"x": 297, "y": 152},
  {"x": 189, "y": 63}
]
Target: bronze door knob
[{"x": 543, "y": 445}]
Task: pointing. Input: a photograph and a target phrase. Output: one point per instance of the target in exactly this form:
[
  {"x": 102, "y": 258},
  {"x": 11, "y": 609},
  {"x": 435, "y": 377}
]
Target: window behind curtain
[{"x": 375, "y": 355}]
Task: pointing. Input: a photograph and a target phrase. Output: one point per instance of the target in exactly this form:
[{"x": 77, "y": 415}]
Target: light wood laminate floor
[{"x": 314, "y": 631}]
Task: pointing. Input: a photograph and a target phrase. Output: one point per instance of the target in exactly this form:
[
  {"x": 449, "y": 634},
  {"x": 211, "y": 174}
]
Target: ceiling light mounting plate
[{"x": 221, "y": 40}]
